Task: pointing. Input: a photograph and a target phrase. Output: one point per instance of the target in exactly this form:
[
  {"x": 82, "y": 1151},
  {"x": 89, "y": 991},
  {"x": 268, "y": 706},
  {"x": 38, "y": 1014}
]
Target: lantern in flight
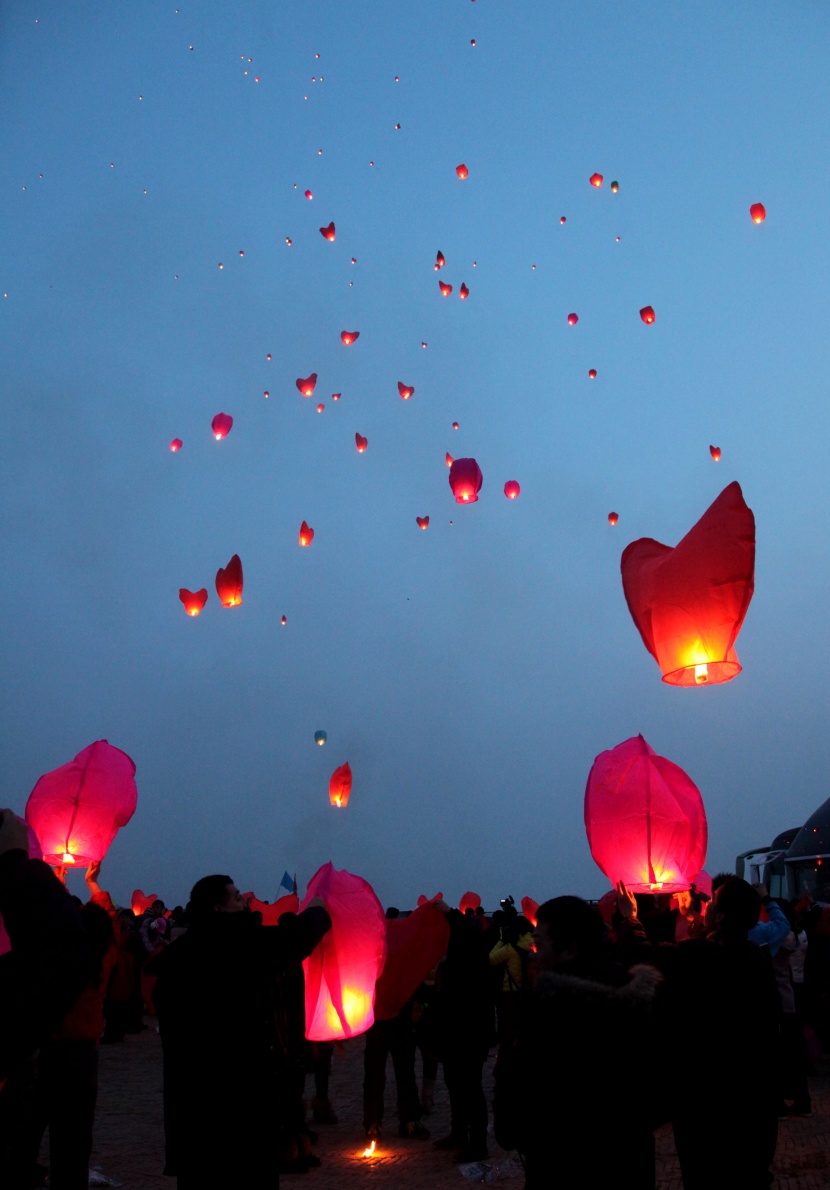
[
  {"x": 573, "y": 319},
  {"x": 592, "y": 373},
  {"x": 689, "y": 602},
  {"x": 229, "y": 583},
  {"x": 448, "y": 459},
  {"x": 714, "y": 451},
  {"x": 176, "y": 444},
  {"x": 340, "y": 785},
  {"x": 561, "y": 218},
  {"x": 465, "y": 480},
  {"x": 613, "y": 517},
  {"x": 283, "y": 621},
  {"x": 423, "y": 522},
  {"x": 349, "y": 337},
  {"x": 644, "y": 818},
  {"x": 455, "y": 425},
  {"x": 76, "y": 809},
  {"x": 342, "y": 970},
  {"x": 596, "y": 180},
  {"x": 463, "y": 292},
  {"x": 320, "y": 738},
  {"x": 647, "y": 315},
  {"x": 306, "y": 534},
  {"x": 193, "y": 601},
  {"x": 309, "y": 195},
  {"x": 446, "y": 290},
  {"x": 511, "y": 489},
  {"x": 615, "y": 186},
  {"x": 361, "y": 443},
  {"x": 306, "y": 386},
  {"x": 439, "y": 261},
  {"x": 328, "y": 233},
  {"x": 405, "y": 390},
  {"x": 221, "y": 426},
  {"x": 462, "y": 171},
  {"x": 470, "y": 900},
  {"x": 758, "y": 212}
]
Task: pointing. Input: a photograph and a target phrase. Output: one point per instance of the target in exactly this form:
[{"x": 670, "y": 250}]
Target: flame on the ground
[{"x": 370, "y": 1151}]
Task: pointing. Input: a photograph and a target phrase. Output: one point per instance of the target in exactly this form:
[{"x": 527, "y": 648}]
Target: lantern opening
[
  {"x": 701, "y": 674},
  {"x": 68, "y": 858}
]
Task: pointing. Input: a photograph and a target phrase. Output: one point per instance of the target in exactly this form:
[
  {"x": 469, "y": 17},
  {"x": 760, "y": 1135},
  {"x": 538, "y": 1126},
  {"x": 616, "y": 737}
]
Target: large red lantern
[
  {"x": 530, "y": 910},
  {"x": 340, "y": 785},
  {"x": 414, "y": 945},
  {"x": 689, "y": 602},
  {"x": 341, "y": 972},
  {"x": 140, "y": 901},
  {"x": 221, "y": 426},
  {"x": 193, "y": 601},
  {"x": 76, "y": 809},
  {"x": 349, "y": 337},
  {"x": 758, "y": 212},
  {"x": 596, "y": 180},
  {"x": 465, "y": 480},
  {"x": 644, "y": 818},
  {"x": 470, "y": 900},
  {"x": 229, "y": 583}
]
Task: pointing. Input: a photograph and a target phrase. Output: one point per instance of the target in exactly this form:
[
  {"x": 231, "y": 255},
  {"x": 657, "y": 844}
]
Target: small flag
[{"x": 287, "y": 882}]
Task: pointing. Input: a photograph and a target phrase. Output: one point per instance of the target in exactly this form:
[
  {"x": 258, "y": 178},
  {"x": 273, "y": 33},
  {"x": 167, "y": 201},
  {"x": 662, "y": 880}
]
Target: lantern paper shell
[
  {"x": 613, "y": 517},
  {"x": 512, "y": 489},
  {"x": 76, "y": 809},
  {"x": 176, "y": 445},
  {"x": 140, "y": 901},
  {"x": 462, "y": 171},
  {"x": 573, "y": 319},
  {"x": 714, "y": 451},
  {"x": 306, "y": 386},
  {"x": 340, "y": 785},
  {"x": 306, "y": 534},
  {"x": 414, "y": 945},
  {"x": 221, "y": 426},
  {"x": 320, "y": 738},
  {"x": 470, "y": 900},
  {"x": 423, "y": 522},
  {"x": 465, "y": 480},
  {"x": 341, "y": 972},
  {"x": 647, "y": 314},
  {"x": 644, "y": 818},
  {"x": 405, "y": 390},
  {"x": 361, "y": 443},
  {"x": 348, "y": 337},
  {"x": 689, "y": 602},
  {"x": 193, "y": 601},
  {"x": 272, "y": 913},
  {"x": 758, "y": 212},
  {"x": 463, "y": 292},
  {"x": 229, "y": 583},
  {"x": 530, "y": 910},
  {"x": 446, "y": 289},
  {"x": 592, "y": 373},
  {"x": 596, "y": 180},
  {"x": 328, "y": 233}
]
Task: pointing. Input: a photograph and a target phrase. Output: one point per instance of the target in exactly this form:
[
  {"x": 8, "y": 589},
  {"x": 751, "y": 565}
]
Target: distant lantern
[
  {"x": 320, "y": 407},
  {"x": 308, "y": 194},
  {"x": 511, "y": 489},
  {"x": 592, "y": 373},
  {"x": 596, "y": 180},
  {"x": 229, "y": 583},
  {"x": 644, "y": 819},
  {"x": 462, "y": 171},
  {"x": 423, "y": 522},
  {"x": 306, "y": 534},
  {"x": 758, "y": 212},
  {"x": 221, "y": 426},
  {"x": 647, "y": 315},
  {"x": 455, "y": 425},
  {"x": 328, "y": 233},
  {"x": 405, "y": 390},
  {"x": 613, "y": 517},
  {"x": 689, "y": 603},
  {"x": 176, "y": 445},
  {"x": 361, "y": 443},
  {"x": 561, "y": 218},
  {"x": 615, "y": 187},
  {"x": 446, "y": 290},
  {"x": 439, "y": 261},
  {"x": 320, "y": 738},
  {"x": 448, "y": 459},
  {"x": 470, "y": 900},
  {"x": 530, "y": 910},
  {"x": 463, "y": 292},
  {"x": 714, "y": 451},
  {"x": 193, "y": 601},
  {"x": 335, "y": 396},
  {"x": 340, "y": 786},
  {"x": 76, "y": 810},
  {"x": 465, "y": 480},
  {"x": 140, "y": 901},
  {"x": 283, "y": 621},
  {"x": 349, "y": 337},
  {"x": 266, "y": 393},
  {"x": 573, "y": 319},
  {"x": 306, "y": 386},
  {"x": 343, "y": 969}
]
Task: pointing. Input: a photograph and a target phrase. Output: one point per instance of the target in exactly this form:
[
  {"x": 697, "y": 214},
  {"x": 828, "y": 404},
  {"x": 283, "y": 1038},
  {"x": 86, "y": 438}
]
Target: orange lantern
[
  {"x": 470, "y": 900},
  {"x": 405, "y": 390},
  {"x": 221, "y": 426},
  {"x": 462, "y": 171},
  {"x": 361, "y": 443},
  {"x": 349, "y": 337},
  {"x": 176, "y": 444},
  {"x": 758, "y": 212},
  {"x": 448, "y": 459},
  {"x": 229, "y": 583},
  {"x": 573, "y": 319},
  {"x": 328, "y": 233},
  {"x": 512, "y": 489},
  {"x": 596, "y": 180},
  {"x": 446, "y": 290},
  {"x": 343, "y": 969},
  {"x": 306, "y": 534},
  {"x": 463, "y": 292},
  {"x": 340, "y": 785},
  {"x": 306, "y": 386},
  {"x": 644, "y": 818},
  {"x": 689, "y": 602},
  {"x": 647, "y": 315},
  {"x": 714, "y": 451},
  {"x": 465, "y": 480},
  {"x": 613, "y": 517},
  {"x": 423, "y": 522},
  {"x": 193, "y": 601}
]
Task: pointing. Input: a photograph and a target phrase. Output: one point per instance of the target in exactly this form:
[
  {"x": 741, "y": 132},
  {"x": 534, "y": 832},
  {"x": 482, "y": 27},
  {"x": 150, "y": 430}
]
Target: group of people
[{"x": 607, "y": 1021}]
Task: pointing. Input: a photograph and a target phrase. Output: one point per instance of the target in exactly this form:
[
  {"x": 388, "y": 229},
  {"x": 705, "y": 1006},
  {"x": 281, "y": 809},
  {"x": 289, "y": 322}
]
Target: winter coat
[{"x": 506, "y": 955}]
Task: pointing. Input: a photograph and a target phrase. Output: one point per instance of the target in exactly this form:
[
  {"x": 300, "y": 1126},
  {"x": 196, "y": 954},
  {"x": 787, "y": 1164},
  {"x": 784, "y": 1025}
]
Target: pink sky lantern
[
  {"x": 76, "y": 810},
  {"x": 512, "y": 489},
  {"x": 573, "y": 319},
  {"x": 689, "y": 602},
  {"x": 340, "y": 785},
  {"x": 465, "y": 480},
  {"x": 272, "y": 913},
  {"x": 341, "y": 972},
  {"x": 176, "y": 445},
  {"x": 221, "y": 426},
  {"x": 414, "y": 945},
  {"x": 140, "y": 901},
  {"x": 470, "y": 900},
  {"x": 644, "y": 818}
]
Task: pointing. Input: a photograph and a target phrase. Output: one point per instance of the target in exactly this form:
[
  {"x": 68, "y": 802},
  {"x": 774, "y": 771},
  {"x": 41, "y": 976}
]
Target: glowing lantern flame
[
  {"x": 306, "y": 534},
  {"x": 465, "y": 480},
  {"x": 306, "y": 386},
  {"x": 176, "y": 444},
  {"x": 647, "y": 315},
  {"x": 714, "y": 451},
  {"x": 758, "y": 212},
  {"x": 439, "y": 261},
  {"x": 573, "y": 319},
  {"x": 613, "y": 517},
  {"x": 446, "y": 290},
  {"x": 221, "y": 426},
  {"x": 328, "y": 233},
  {"x": 511, "y": 489},
  {"x": 361, "y": 443},
  {"x": 596, "y": 180},
  {"x": 448, "y": 459},
  {"x": 423, "y": 522},
  {"x": 615, "y": 187},
  {"x": 348, "y": 337},
  {"x": 340, "y": 785},
  {"x": 405, "y": 390},
  {"x": 462, "y": 171},
  {"x": 592, "y": 373},
  {"x": 320, "y": 738},
  {"x": 463, "y": 292},
  {"x": 229, "y": 583},
  {"x": 193, "y": 601}
]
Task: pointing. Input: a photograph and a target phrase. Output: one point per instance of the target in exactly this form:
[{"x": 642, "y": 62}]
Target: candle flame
[{"x": 701, "y": 674}]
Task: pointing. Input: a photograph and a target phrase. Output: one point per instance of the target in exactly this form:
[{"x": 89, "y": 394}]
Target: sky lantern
[
  {"x": 446, "y": 289},
  {"x": 439, "y": 261},
  {"x": 592, "y": 373},
  {"x": 306, "y": 534},
  {"x": 405, "y": 390},
  {"x": 414, "y": 945},
  {"x": 283, "y": 621},
  {"x": 613, "y": 517},
  {"x": 448, "y": 459},
  {"x": 76, "y": 809},
  {"x": 349, "y": 337},
  {"x": 714, "y": 451},
  {"x": 561, "y": 218},
  {"x": 573, "y": 319},
  {"x": 689, "y": 602},
  {"x": 320, "y": 407},
  {"x": 530, "y": 909},
  {"x": 647, "y": 315},
  {"x": 271, "y": 913},
  {"x": 596, "y": 180},
  {"x": 328, "y": 233},
  {"x": 463, "y": 292},
  {"x": 176, "y": 444},
  {"x": 193, "y": 601},
  {"x": 340, "y": 785},
  {"x": 309, "y": 195},
  {"x": 221, "y": 426},
  {"x": 229, "y": 583},
  {"x": 615, "y": 186},
  {"x": 423, "y": 522},
  {"x": 455, "y": 425},
  {"x": 462, "y": 171},
  {"x": 361, "y": 443},
  {"x": 320, "y": 738},
  {"x": 465, "y": 480},
  {"x": 341, "y": 972},
  {"x": 758, "y": 212},
  {"x": 306, "y": 386},
  {"x": 336, "y": 396},
  {"x": 470, "y": 900},
  {"x": 140, "y": 901},
  {"x": 512, "y": 489},
  {"x": 644, "y": 818}
]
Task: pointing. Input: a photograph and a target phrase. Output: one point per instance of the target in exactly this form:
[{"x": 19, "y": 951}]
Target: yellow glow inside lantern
[
  {"x": 701, "y": 674},
  {"x": 68, "y": 857},
  {"x": 357, "y": 1008}
]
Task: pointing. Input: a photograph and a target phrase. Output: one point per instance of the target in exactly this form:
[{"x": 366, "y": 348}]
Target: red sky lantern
[
  {"x": 335, "y": 396},
  {"x": 340, "y": 785},
  {"x": 405, "y": 390},
  {"x": 592, "y": 373},
  {"x": 76, "y": 809},
  {"x": 361, "y": 443},
  {"x": 309, "y": 195},
  {"x": 530, "y": 909},
  {"x": 462, "y": 171},
  {"x": 221, "y": 426},
  {"x": 229, "y": 583},
  {"x": 647, "y": 315},
  {"x": 193, "y": 601},
  {"x": 423, "y": 522},
  {"x": 644, "y": 818},
  {"x": 283, "y": 621},
  {"x": 596, "y": 180},
  {"x": 455, "y": 425},
  {"x": 561, "y": 218},
  {"x": 140, "y": 901},
  {"x": 306, "y": 534},
  {"x": 573, "y": 319},
  {"x": 446, "y": 290},
  {"x": 470, "y": 900},
  {"x": 758, "y": 212},
  {"x": 424, "y": 900},
  {"x": 306, "y": 386},
  {"x": 439, "y": 261},
  {"x": 448, "y": 459},
  {"x": 613, "y": 517},
  {"x": 320, "y": 407},
  {"x": 272, "y": 913},
  {"x": 689, "y": 602},
  {"x": 348, "y": 337},
  {"x": 414, "y": 945},
  {"x": 512, "y": 489},
  {"x": 176, "y": 444},
  {"x": 328, "y": 233},
  {"x": 463, "y": 292},
  {"x": 714, "y": 451},
  {"x": 342, "y": 971},
  {"x": 465, "y": 481}
]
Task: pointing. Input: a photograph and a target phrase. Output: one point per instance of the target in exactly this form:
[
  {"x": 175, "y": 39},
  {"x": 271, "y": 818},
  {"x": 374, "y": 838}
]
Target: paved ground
[{"x": 129, "y": 1137}]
